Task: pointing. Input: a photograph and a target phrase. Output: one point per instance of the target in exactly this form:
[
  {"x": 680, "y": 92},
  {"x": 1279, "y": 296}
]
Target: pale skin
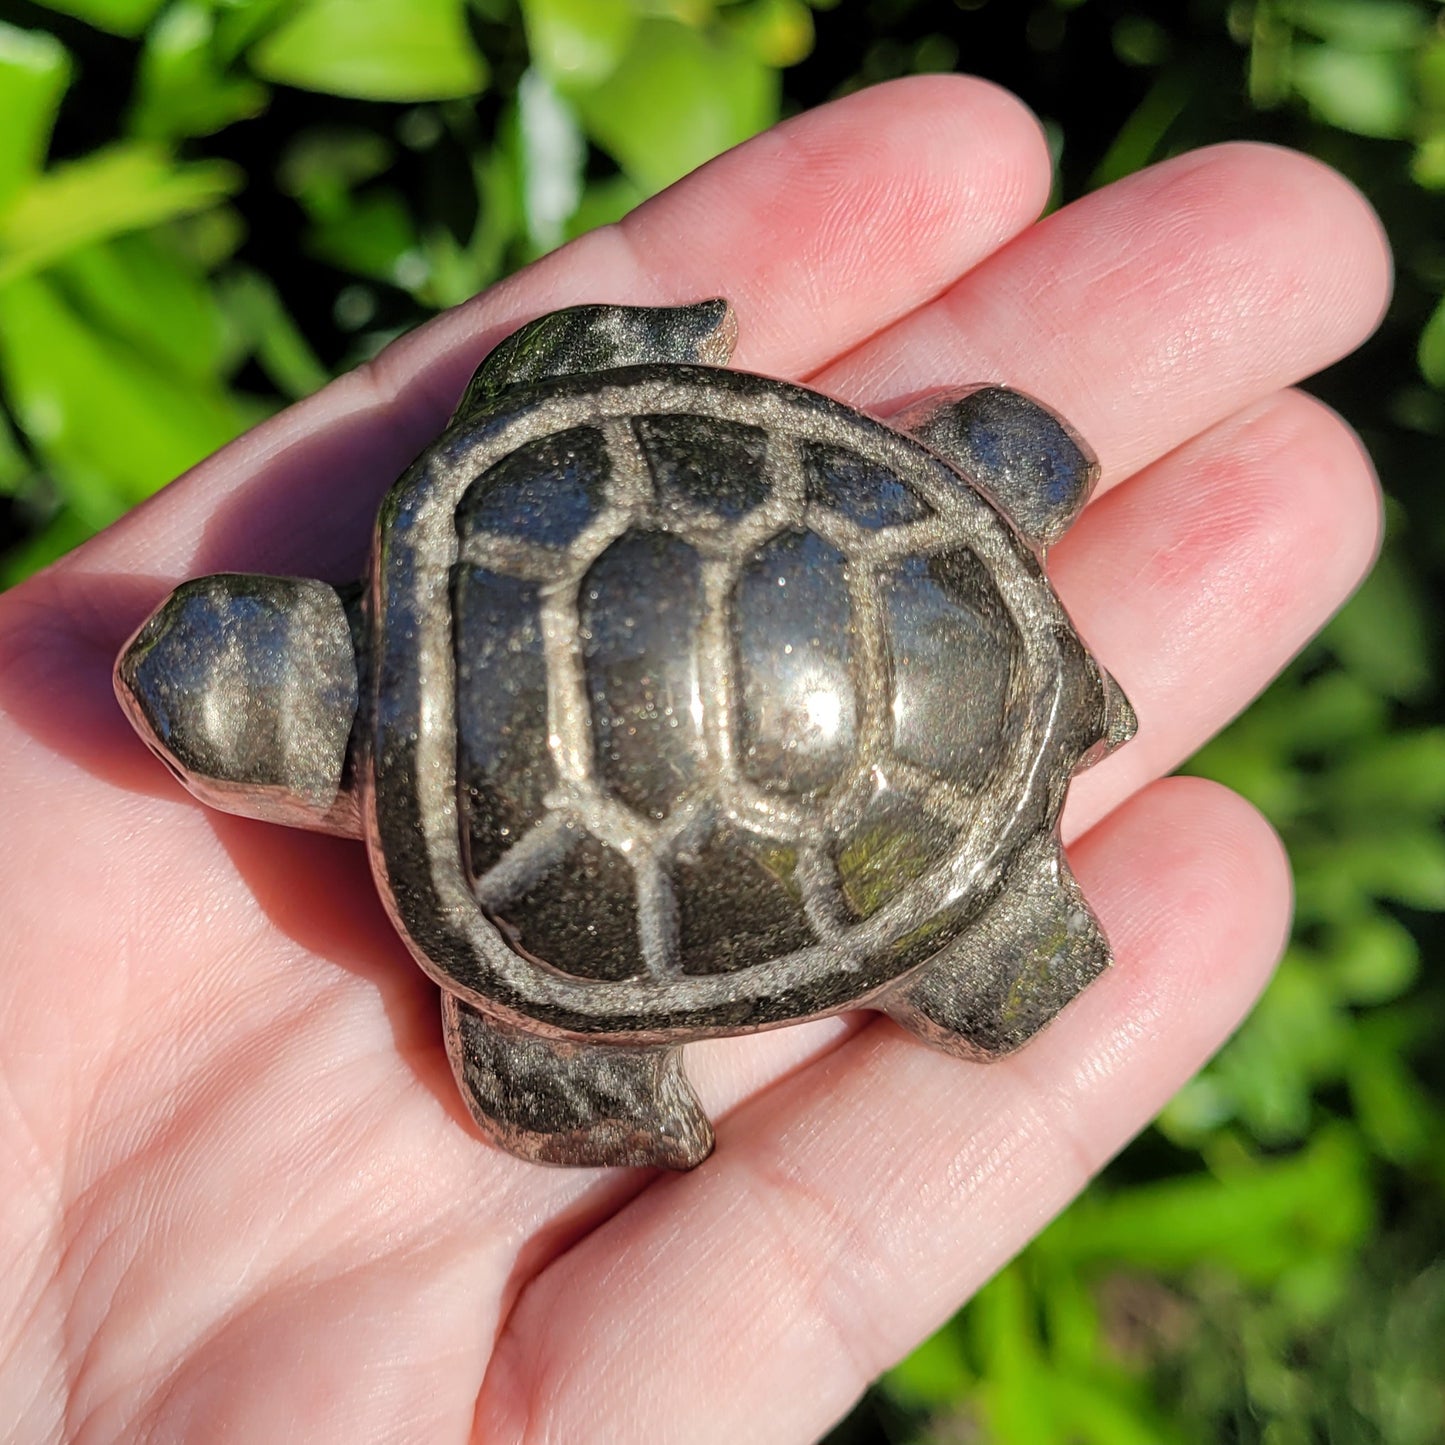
[{"x": 240, "y": 1199}]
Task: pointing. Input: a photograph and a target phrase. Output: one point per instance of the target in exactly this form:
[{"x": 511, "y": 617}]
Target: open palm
[{"x": 240, "y": 1198}]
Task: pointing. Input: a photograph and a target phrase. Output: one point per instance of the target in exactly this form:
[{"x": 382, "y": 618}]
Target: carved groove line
[{"x": 580, "y": 805}]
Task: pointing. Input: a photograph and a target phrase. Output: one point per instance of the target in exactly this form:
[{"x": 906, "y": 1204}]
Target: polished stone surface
[
  {"x": 580, "y": 916},
  {"x": 1034, "y": 465},
  {"x": 703, "y": 463},
  {"x": 642, "y": 609},
  {"x": 864, "y": 492},
  {"x": 681, "y": 703},
  {"x": 246, "y": 689},
  {"x": 758, "y": 917},
  {"x": 890, "y": 845},
  {"x": 504, "y": 765},
  {"x": 953, "y": 650},
  {"x": 798, "y": 713},
  {"x": 546, "y": 491}
]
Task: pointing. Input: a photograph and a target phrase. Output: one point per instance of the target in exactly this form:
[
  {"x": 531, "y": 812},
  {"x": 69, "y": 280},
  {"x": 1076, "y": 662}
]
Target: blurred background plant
[{"x": 208, "y": 207}]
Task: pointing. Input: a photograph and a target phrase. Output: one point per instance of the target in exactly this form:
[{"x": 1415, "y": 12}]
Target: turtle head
[{"x": 246, "y": 688}]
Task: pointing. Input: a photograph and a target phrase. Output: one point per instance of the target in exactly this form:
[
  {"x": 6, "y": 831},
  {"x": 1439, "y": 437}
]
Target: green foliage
[
  {"x": 125, "y": 187},
  {"x": 34, "y": 71},
  {"x": 263, "y": 192},
  {"x": 182, "y": 87},
  {"x": 128, "y": 302},
  {"x": 678, "y": 97},
  {"x": 374, "y": 49},
  {"x": 120, "y": 17}
]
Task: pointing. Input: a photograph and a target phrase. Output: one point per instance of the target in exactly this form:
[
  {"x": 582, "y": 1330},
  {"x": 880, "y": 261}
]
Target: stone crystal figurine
[{"x": 678, "y": 703}]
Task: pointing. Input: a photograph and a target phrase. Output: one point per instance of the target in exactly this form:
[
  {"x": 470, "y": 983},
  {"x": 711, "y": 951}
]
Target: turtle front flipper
[
  {"x": 559, "y": 1102},
  {"x": 246, "y": 688},
  {"x": 1035, "y": 947},
  {"x": 1025, "y": 456},
  {"x": 586, "y": 339}
]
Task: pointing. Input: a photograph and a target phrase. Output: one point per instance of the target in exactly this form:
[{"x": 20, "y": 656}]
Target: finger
[
  {"x": 1219, "y": 562},
  {"x": 1154, "y": 307},
  {"x": 819, "y": 231},
  {"x": 1198, "y": 579},
  {"x": 849, "y": 1211}
]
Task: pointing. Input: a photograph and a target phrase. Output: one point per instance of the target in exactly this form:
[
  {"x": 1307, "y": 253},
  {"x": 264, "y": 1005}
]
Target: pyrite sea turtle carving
[{"x": 679, "y": 702}]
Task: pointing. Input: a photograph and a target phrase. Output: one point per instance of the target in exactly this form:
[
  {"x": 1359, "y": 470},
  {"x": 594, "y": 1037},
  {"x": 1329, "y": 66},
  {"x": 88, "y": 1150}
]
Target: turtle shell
[{"x": 700, "y": 702}]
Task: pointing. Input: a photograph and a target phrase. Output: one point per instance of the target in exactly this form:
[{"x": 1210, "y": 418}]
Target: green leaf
[
  {"x": 1139, "y": 40},
  {"x": 1020, "y": 1411},
  {"x": 936, "y": 1373},
  {"x": 374, "y": 50},
  {"x": 1407, "y": 864},
  {"x": 1364, "y": 92},
  {"x": 1431, "y": 353},
  {"x": 269, "y": 333},
  {"x": 1427, "y": 170},
  {"x": 578, "y": 43},
  {"x": 1401, "y": 772},
  {"x": 778, "y": 32},
  {"x": 321, "y": 167},
  {"x": 1202, "y": 1107},
  {"x": 373, "y": 235},
  {"x": 1271, "y": 47},
  {"x": 1252, "y": 764},
  {"x": 1332, "y": 709},
  {"x": 679, "y": 98},
  {"x": 1381, "y": 635},
  {"x": 1297, "y": 1037},
  {"x": 1014, "y": 1391},
  {"x": 140, "y": 292},
  {"x": 207, "y": 238},
  {"x": 1071, "y": 1320},
  {"x": 499, "y": 211},
  {"x": 14, "y": 464},
  {"x": 181, "y": 88},
  {"x": 1373, "y": 959},
  {"x": 125, "y": 187},
  {"x": 1359, "y": 24},
  {"x": 1003, "y": 1326},
  {"x": 1402, "y": 860},
  {"x": 240, "y": 23},
  {"x": 1317, "y": 1200},
  {"x": 119, "y": 17},
  {"x": 1430, "y": 73},
  {"x": 34, "y": 71},
  {"x": 110, "y": 425},
  {"x": 1097, "y": 1412},
  {"x": 1392, "y": 1106},
  {"x": 1141, "y": 136}
]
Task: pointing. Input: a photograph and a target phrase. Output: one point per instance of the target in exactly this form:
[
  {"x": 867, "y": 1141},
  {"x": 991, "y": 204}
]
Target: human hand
[{"x": 240, "y": 1198}]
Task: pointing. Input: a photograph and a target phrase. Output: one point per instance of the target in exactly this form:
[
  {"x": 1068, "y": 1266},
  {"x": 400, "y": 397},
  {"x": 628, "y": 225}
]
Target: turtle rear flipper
[
  {"x": 1032, "y": 950},
  {"x": 557, "y": 1102}
]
